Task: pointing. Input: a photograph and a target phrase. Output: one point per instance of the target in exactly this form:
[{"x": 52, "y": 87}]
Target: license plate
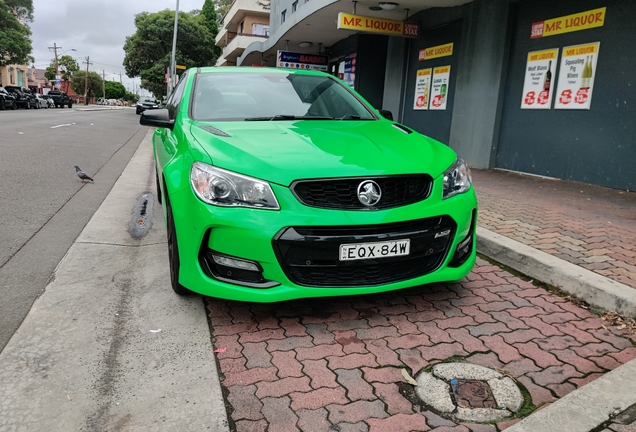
[{"x": 349, "y": 252}]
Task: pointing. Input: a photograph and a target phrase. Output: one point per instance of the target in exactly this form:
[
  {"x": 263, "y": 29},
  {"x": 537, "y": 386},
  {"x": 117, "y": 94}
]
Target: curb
[
  {"x": 588, "y": 407},
  {"x": 586, "y": 285},
  {"x": 100, "y": 108}
]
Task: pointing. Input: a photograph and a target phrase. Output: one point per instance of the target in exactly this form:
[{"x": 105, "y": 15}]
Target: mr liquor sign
[{"x": 378, "y": 25}]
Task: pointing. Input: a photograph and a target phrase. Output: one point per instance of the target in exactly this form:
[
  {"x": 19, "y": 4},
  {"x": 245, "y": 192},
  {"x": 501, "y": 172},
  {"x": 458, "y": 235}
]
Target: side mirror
[
  {"x": 386, "y": 114},
  {"x": 157, "y": 118}
]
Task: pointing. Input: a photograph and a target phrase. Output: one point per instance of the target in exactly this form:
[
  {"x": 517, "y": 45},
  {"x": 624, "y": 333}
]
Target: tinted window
[{"x": 240, "y": 96}]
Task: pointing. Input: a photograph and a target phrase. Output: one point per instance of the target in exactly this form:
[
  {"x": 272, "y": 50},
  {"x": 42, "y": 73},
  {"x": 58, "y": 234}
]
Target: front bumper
[{"x": 296, "y": 248}]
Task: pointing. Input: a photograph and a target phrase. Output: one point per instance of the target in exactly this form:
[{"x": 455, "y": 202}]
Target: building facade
[
  {"x": 245, "y": 22},
  {"x": 14, "y": 75},
  {"x": 533, "y": 86}
]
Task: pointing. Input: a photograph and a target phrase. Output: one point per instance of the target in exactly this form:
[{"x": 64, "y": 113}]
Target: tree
[
  {"x": 78, "y": 82},
  {"x": 222, "y": 6},
  {"x": 210, "y": 20},
  {"x": 148, "y": 51},
  {"x": 67, "y": 65},
  {"x": 114, "y": 90},
  {"x": 15, "y": 42},
  {"x": 131, "y": 97}
]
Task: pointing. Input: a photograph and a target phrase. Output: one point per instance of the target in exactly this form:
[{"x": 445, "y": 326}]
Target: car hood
[{"x": 285, "y": 151}]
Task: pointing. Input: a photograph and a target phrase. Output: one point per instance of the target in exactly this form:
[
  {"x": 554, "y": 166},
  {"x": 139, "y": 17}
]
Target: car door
[{"x": 165, "y": 141}]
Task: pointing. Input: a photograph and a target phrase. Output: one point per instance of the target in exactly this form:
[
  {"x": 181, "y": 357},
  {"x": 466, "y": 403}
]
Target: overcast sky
[{"x": 96, "y": 28}]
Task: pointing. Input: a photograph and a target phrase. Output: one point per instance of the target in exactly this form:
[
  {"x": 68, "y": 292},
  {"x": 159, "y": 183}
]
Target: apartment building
[{"x": 246, "y": 21}]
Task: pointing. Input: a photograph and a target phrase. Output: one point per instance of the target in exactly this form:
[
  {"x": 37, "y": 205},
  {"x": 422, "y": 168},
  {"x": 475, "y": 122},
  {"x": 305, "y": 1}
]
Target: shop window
[
  {"x": 283, "y": 15},
  {"x": 294, "y": 6}
]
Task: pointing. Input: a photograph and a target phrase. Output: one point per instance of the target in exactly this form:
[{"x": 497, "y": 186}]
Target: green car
[{"x": 281, "y": 184}]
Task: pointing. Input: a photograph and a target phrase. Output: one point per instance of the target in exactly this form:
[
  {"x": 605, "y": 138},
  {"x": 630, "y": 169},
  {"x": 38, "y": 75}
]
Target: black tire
[
  {"x": 14, "y": 106},
  {"x": 70, "y": 105},
  {"x": 2, "y": 105},
  {"x": 173, "y": 254}
]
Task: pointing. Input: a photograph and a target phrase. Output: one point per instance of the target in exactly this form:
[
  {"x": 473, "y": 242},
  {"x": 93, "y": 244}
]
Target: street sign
[{"x": 182, "y": 67}]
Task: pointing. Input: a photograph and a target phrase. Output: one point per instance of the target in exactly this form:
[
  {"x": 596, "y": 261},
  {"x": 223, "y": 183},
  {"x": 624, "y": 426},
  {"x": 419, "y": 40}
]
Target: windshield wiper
[
  {"x": 349, "y": 117},
  {"x": 287, "y": 117}
]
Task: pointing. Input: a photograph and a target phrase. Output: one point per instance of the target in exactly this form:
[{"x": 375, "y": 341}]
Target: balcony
[
  {"x": 237, "y": 13},
  {"x": 236, "y": 46}
]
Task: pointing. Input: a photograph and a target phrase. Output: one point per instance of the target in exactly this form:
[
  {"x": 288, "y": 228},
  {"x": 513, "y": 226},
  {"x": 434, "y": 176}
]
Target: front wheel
[
  {"x": 173, "y": 254},
  {"x": 70, "y": 105}
]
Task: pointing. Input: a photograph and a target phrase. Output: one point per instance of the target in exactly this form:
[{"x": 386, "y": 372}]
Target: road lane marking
[{"x": 62, "y": 125}]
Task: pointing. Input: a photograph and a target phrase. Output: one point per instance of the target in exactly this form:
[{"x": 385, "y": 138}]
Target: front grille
[
  {"x": 309, "y": 255},
  {"x": 343, "y": 193}
]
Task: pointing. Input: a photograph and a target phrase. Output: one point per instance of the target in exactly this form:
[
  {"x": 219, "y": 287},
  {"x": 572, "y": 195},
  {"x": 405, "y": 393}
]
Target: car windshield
[
  {"x": 150, "y": 101},
  {"x": 274, "y": 96}
]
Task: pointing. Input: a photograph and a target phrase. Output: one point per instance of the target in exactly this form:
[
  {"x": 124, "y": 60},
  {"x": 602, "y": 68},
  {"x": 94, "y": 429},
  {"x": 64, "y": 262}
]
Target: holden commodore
[{"x": 279, "y": 184}]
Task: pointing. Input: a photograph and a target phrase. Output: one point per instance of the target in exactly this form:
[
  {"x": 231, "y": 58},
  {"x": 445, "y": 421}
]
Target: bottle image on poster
[
  {"x": 422, "y": 89},
  {"x": 439, "y": 88},
  {"x": 576, "y": 76},
  {"x": 538, "y": 84}
]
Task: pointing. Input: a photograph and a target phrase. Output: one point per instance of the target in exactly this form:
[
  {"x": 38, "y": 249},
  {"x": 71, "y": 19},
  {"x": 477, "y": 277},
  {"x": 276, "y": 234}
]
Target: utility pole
[
  {"x": 88, "y": 63},
  {"x": 172, "y": 72},
  {"x": 103, "y": 83},
  {"x": 120, "y": 81},
  {"x": 57, "y": 66}
]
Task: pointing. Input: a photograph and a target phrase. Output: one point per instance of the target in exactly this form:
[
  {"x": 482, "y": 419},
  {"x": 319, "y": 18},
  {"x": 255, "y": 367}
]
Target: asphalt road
[{"x": 43, "y": 205}]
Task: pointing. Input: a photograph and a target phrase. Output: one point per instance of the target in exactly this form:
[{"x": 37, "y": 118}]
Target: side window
[{"x": 175, "y": 98}]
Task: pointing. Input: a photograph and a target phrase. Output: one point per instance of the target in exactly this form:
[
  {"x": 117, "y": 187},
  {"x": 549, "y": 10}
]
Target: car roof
[{"x": 259, "y": 70}]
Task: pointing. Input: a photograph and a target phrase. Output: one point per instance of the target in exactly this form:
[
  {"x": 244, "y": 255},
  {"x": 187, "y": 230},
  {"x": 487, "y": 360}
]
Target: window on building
[
  {"x": 283, "y": 15},
  {"x": 242, "y": 27},
  {"x": 260, "y": 29},
  {"x": 294, "y": 6}
]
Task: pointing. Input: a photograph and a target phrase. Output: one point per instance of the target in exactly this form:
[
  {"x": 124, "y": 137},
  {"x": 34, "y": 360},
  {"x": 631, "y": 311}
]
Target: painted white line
[{"x": 62, "y": 125}]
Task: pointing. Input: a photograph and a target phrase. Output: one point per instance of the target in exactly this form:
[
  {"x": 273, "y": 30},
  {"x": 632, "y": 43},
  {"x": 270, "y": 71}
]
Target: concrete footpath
[{"x": 108, "y": 346}]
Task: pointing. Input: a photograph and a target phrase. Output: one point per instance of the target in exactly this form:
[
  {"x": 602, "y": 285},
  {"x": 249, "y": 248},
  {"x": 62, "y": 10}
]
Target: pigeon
[{"x": 81, "y": 174}]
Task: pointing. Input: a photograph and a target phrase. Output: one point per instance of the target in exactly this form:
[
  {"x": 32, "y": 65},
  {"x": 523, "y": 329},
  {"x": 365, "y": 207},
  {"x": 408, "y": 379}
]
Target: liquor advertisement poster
[
  {"x": 422, "y": 89},
  {"x": 538, "y": 84},
  {"x": 439, "y": 88},
  {"x": 576, "y": 76},
  {"x": 350, "y": 69}
]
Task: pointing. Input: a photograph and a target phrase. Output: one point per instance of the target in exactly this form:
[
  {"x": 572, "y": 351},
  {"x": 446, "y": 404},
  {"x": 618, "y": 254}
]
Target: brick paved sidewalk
[
  {"x": 335, "y": 364},
  {"x": 587, "y": 225}
]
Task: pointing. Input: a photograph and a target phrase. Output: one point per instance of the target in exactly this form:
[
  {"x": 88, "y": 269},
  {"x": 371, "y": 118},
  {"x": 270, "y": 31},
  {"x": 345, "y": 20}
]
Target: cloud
[{"x": 95, "y": 28}]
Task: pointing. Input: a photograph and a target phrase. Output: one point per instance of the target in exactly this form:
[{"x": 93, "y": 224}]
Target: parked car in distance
[
  {"x": 280, "y": 184},
  {"x": 41, "y": 102},
  {"x": 49, "y": 101},
  {"x": 23, "y": 96},
  {"x": 7, "y": 100},
  {"x": 146, "y": 104},
  {"x": 60, "y": 99}
]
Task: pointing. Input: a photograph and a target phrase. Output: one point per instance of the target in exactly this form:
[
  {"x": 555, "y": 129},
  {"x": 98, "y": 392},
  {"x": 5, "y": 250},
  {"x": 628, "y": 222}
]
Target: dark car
[
  {"x": 146, "y": 104},
  {"x": 60, "y": 99},
  {"x": 23, "y": 96},
  {"x": 7, "y": 100}
]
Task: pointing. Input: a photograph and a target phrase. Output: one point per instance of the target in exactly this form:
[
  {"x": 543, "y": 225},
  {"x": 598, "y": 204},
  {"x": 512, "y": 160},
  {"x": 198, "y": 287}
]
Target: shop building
[{"x": 533, "y": 86}]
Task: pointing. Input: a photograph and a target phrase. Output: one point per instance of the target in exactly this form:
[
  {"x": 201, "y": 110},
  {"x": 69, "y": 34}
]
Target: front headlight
[
  {"x": 457, "y": 179},
  {"x": 225, "y": 188}
]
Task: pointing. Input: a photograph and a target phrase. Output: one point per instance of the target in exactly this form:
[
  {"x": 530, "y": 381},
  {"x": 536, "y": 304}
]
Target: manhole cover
[
  {"x": 472, "y": 394},
  {"x": 469, "y": 392}
]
